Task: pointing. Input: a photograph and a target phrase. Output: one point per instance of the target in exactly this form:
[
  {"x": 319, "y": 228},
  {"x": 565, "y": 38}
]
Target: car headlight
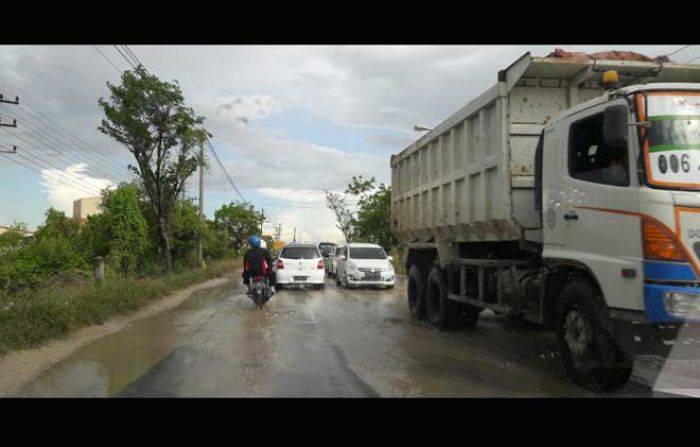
[
  {"x": 680, "y": 303},
  {"x": 352, "y": 267},
  {"x": 390, "y": 268}
]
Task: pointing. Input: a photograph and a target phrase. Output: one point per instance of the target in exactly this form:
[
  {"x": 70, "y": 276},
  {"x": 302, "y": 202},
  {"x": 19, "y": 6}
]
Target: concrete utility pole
[
  {"x": 200, "y": 244},
  {"x": 263, "y": 221},
  {"x": 278, "y": 231},
  {"x": 12, "y": 150}
]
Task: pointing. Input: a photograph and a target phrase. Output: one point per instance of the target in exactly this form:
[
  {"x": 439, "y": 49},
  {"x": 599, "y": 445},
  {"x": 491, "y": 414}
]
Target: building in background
[{"x": 86, "y": 206}]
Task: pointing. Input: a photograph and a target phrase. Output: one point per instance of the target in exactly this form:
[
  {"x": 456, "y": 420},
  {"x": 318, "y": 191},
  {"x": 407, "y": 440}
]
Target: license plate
[
  {"x": 301, "y": 278},
  {"x": 374, "y": 276}
]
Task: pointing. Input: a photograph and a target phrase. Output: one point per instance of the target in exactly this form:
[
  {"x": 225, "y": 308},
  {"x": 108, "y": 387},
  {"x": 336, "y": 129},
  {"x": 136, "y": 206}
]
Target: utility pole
[
  {"x": 14, "y": 122},
  {"x": 295, "y": 234},
  {"x": 200, "y": 244},
  {"x": 263, "y": 221},
  {"x": 278, "y": 231}
]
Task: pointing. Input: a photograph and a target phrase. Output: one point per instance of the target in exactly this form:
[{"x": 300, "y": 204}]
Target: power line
[
  {"x": 125, "y": 58},
  {"x": 134, "y": 57},
  {"x": 60, "y": 160},
  {"x": 230, "y": 180},
  {"x": 16, "y": 161},
  {"x": 42, "y": 170},
  {"x": 43, "y": 162},
  {"x": 66, "y": 134},
  {"x": 108, "y": 60},
  {"x": 693, "y": 59},
  {"x": 679, "y": 49},
  {"x": 102, "y": 165}
]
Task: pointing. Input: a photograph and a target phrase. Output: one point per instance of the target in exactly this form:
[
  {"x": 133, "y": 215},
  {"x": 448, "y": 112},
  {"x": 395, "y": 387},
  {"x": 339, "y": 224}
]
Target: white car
[
  {"x": 333, "y": 265},
  {"x": 364, "y": 265},
  {"x": 300, "y": 264}
]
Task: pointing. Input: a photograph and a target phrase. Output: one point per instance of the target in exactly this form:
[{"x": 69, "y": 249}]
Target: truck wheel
[
  {"x": 437, "y": 309},
  {"x": 591, "y": 355},
  {"x": 416, "y": 292}
]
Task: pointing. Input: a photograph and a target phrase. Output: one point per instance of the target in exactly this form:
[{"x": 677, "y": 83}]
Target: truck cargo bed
[{"x": 471, "y": 178}]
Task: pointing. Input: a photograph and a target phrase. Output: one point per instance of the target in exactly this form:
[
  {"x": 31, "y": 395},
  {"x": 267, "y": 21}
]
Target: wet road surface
[{"x": 320, "y": 343}]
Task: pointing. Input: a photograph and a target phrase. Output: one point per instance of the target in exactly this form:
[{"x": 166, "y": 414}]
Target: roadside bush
[
  {"x": 37, "y": 260},
  {"x": 32, "y": 316}
]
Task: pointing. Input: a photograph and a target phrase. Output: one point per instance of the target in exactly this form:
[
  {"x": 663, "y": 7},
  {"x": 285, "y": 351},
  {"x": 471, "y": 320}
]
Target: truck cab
[{"x": 620, "y": 197}]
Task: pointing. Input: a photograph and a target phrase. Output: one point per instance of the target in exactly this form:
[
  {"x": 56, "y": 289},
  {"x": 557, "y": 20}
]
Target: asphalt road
[{"x": 325, "y": 343}]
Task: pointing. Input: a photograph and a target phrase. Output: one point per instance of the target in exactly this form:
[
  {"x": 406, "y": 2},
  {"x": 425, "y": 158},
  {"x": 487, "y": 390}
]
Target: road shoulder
[{"x": 21, "y": 367}]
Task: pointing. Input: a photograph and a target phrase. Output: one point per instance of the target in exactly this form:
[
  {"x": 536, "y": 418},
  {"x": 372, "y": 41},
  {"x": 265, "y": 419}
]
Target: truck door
[{"x": 591, "y": 204}]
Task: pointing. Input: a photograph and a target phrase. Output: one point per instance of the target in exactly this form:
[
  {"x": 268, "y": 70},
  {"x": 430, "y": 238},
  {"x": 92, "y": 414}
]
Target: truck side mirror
[{"x": 615, "y": 129}]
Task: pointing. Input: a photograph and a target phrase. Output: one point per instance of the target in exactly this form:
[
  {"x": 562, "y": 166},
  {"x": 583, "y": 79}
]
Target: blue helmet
[{"x": 254, "y": 241}]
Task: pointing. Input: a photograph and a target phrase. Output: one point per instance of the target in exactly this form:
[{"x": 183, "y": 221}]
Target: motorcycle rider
[{"x": 258, "y": 262}]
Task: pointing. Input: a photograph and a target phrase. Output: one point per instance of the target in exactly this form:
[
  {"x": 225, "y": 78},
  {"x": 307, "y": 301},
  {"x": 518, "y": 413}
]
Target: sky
[{"x": 287, "y": 121}]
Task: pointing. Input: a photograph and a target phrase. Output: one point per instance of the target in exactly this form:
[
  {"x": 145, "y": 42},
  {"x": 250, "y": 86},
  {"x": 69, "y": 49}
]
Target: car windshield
[
  {"x": 367, "y": 253},
  {"x": 299, "y": 253},
  {"x": 326, "y": 249},
  {"x": 672, "y": 144}
]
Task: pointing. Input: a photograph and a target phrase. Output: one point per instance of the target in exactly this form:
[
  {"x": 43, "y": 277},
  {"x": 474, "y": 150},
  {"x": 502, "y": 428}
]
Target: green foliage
[
  {"x": 12, "y": 239},
  {"x": 239, "y": 221},
  {"x": 187, "y": 228},
  {"x": 150, "y": 118},
  {"x": 35, "y": 315},
  {"x": 373, "y": 221},
  {"x": 58, "y": 225},
  {"x": 216, "y": 244},
  {"x": 36, "y": 261},
  {"x": 125, "y": 228}
]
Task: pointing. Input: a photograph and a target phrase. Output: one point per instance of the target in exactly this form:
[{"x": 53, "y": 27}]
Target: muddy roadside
[{"x": 21, "y": 367}]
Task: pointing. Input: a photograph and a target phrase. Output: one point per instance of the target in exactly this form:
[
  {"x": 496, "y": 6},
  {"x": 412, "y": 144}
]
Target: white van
[{"x": 364, "y": 265}]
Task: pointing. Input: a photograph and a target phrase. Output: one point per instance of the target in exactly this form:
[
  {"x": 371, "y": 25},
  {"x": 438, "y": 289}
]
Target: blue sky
[{"x": 288, "y": 121}]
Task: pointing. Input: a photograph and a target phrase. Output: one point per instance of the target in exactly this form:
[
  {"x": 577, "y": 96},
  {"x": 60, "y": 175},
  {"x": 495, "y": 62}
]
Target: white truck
[{"x": 567, "y": 194}]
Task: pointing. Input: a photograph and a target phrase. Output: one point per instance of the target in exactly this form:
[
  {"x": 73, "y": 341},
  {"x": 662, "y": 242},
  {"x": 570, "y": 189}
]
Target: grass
[{"x": 29, "y": 318}]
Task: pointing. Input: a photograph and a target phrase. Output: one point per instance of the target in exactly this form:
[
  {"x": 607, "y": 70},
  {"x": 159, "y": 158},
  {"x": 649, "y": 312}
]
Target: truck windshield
[{"x": 672, "y": 143}]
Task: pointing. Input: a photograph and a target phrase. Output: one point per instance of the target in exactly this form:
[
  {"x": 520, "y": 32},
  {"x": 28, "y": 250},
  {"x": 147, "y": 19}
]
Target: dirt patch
[{"x": 21, "y": 367}]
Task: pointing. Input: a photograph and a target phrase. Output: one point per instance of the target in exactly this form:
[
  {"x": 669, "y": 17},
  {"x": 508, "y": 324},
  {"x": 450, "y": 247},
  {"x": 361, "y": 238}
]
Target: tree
[
  {"x": 239, "y": 220},
  {"x": 128, "y": 230},
  {"x": 150, "y": 118},
  {"x": 58, "y": 225},
  {"x": 187, "y": 228},
  {"x": 344, "y": 216},
  {"x": 373, "y": 221}
]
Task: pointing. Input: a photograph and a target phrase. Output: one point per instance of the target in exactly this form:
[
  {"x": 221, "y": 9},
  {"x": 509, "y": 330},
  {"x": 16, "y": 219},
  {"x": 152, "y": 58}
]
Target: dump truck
[{"x": 567, "y": 194}]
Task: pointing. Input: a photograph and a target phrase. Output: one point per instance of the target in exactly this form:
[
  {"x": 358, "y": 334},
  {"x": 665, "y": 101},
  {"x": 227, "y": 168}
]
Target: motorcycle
[{"x": 260, "y": 290}]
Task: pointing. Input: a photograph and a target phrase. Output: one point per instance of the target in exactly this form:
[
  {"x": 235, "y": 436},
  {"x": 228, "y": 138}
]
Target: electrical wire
[
  {"x": 106, "y": 168},
  {"x": 108, "y": 60}
]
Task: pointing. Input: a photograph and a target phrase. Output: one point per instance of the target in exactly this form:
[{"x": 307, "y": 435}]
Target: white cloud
[
  {"x": 263, "y": 160},
  {"x": 63, "y": 187},
  {"x": 314, "y": 221}
]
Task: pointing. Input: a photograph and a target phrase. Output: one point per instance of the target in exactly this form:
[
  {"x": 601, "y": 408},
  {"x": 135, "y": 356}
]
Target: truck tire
[
  {"x": 436, "y": 309},
  {"x": 415, "y": 292},
  {"x": 591, "y": 356}
]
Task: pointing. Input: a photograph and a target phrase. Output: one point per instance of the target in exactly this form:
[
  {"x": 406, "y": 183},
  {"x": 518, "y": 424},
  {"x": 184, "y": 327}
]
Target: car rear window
[
  {"x": 300, "y": 253},
  {"x": 367, "y": 253}
]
